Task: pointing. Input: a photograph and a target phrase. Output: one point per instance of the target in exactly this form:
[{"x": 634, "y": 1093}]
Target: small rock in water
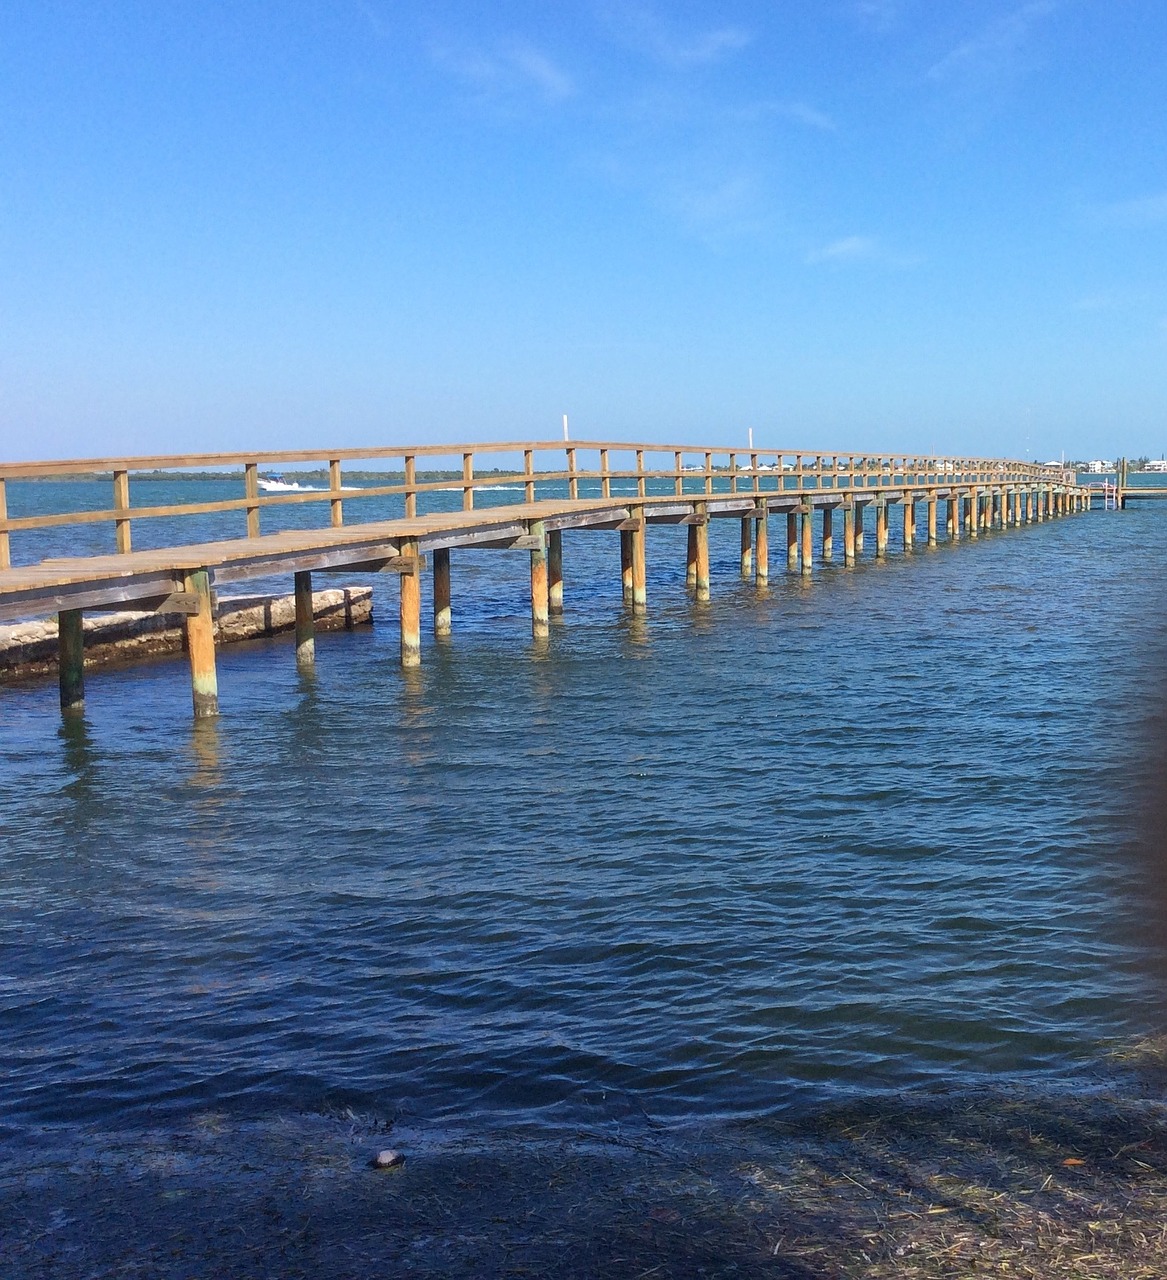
[{"x": 388, "y": 1159}]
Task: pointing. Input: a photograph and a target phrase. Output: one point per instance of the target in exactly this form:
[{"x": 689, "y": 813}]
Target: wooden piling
[
  {"x": 807, "y": 554},
  {"x": 305, "y": 622},
  {"x": 860, "y": 508},
  {"x": 555, "y": 572},
  {"x": 410, "y": 576},
  {"x": 849, "y": 535},
  {"x": 932, "y": 504},
  {"x": 200, "y": 647},
  {"x": 443, "y": 614},
  {"x": 626, "y": 566},
  {"x": 747, "y": 547},
  {"x": 828, "y": 536},
  {"x": 702, "y": 589},
  {"x": 880, "y": 528},
  {"x": 71, "y": 656},
  {"x": 909, "y": 523},
  {"x": 691, "y": 558},
  {"x": 762, "y": 549},
  {"x": 539, "y": 586},
  {"x": 951, "y": 520},
  {"x": 791, "y": 540},
  {"x": 639, "y": 564},
  {"x": 5, "y": 544},
  {"x": 974, "y": 513}
]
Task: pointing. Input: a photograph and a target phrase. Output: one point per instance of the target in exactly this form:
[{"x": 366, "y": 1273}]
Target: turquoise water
[{"x": 875, "y": 832}]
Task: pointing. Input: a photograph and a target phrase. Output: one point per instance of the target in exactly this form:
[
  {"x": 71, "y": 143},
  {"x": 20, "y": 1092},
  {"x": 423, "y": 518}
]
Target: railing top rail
[{"x": 176, "y": 462}]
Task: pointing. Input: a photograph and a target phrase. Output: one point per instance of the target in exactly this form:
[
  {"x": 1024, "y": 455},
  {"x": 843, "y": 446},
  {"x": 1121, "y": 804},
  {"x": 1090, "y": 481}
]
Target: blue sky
[{"x": 883, "y": 224}]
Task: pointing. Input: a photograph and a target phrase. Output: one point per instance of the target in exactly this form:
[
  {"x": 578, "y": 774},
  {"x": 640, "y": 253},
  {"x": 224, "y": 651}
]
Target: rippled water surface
[{"x": 871, "y": 832}]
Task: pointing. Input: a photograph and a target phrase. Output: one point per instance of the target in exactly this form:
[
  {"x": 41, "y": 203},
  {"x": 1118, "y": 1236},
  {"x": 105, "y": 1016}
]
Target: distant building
[
  {"x": 1156, "y": 464},
  {"x": 1099, "y": 465}
]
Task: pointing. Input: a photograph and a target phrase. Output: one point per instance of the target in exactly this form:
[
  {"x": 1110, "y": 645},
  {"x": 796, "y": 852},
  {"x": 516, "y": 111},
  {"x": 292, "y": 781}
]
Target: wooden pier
[{"x": 586, "y": 485}]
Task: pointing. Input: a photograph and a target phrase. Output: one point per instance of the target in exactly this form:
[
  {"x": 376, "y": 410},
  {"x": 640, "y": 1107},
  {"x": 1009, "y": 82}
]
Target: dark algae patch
[{"x": 1027, "y": 1184}]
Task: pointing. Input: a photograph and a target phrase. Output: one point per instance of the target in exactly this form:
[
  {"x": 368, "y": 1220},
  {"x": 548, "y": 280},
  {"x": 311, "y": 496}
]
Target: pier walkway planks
[{"x": 977, "y": 495}]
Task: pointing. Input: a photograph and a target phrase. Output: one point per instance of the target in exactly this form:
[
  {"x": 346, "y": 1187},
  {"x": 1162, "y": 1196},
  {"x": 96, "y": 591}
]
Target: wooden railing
[{"x": 693, "y": 469}]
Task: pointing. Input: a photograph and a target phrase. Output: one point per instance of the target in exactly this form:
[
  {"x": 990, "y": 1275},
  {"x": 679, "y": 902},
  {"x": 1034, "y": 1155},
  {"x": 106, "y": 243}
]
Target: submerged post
[
  {"x": 807, "y": 554},
  {"x": 791, "y": 540},
  {"x": 747, "y": 545},
  {"x": 410, "y": 575},
  {"x": 932, "y": 504},
  {"x": 305, "y": 622},
  {"x": 702, "y": 590},
  {"x": 200, "y": 645},
  {"x": 555, "y": 572},
  {"x": 974, "y": 513},
  {"x": 762, "y": 549},
  {"x": 443, "y": 621},
  {"x": 539, "y": 590},
  {"x": 828, "y": 535},
  {"x": 71, "y": 656},
  {"x": 909, "y": 524},
  {"x": 849, "y": 535},
  {"x": 691, "y": 558},
  {"x": 639, "y": 563},
  {"x": 881, "y": 527}
]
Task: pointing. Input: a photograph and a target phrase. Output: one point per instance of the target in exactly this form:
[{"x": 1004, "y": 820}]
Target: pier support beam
[
  {"x": 539, "y": 589},
  {"x": 639, "y": 564},
  {"x": 791, "y": 540},
  {"x": 410, "y": 611},
  {"x": 762, "y": 549},
  {"x": 849, "y": 535},
  {"x": 305, "y": 623},
  {"x": 860, "y": 509},
  {"x": 747, "y": 545},
  {"x": 951, "y": 521},
  {"x": 828, "y": 536},
  {"x": 691, "y": 558},
  {"x": 71, "y": 656},
  {"x": 200, "y": 647},
  {"x": 702, "y": 588},
  {"x": 442, "y": 612},
  {"x": 626, "y": 565},
  {"x": 974, "y": 513},
  {"x": 807, "y": 554},
  {"x": 881, "y": 528},
  {"x": 932, "y": 504},
  {"x": 555, "y": 572},
  {"x": 909, "y": 524}
]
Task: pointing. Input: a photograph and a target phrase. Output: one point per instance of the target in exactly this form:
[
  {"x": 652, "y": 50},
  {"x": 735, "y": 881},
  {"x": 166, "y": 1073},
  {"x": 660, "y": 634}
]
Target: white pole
[{"x": 565, "y": 435}]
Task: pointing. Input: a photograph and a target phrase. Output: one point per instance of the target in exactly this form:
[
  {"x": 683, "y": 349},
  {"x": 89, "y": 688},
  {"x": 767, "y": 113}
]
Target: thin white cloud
[
  {"x": 881, "y": 14},
  {"x": 854, "y": 249},
  {"x": 1147, "y": 211},
  {"x": 513, "y": 69},
  {"x": 993, "y": 51},
  {"x": 800, "y": 112},
  {"x": 643, "y": 28},
  {"x": 848, "y": 249},
  {"x": 810, "y": 116}
]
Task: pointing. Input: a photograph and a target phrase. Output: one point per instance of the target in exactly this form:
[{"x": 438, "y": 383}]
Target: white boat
[{"x": 277, "y": 484}]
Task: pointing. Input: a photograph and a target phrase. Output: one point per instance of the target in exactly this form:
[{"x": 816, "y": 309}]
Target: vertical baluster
[
  {"x": 529, "y": 472},
  {"x": 467, "y": 482},
  {"x": 641, "y": 488},
  {"x": 410, "y": 485},
  {"x": 5, "y": 546},
  {"x": 251, "y": 492},
  {"x": 605, "y": 482},
  {"x": 573, "y": 482},
  {"x": 121, "y": 502},
  {"x": 335, "y": 503}
]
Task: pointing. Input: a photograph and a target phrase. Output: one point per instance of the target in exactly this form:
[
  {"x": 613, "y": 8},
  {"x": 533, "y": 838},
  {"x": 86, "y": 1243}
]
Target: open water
[{"x": 872, "y": 833}]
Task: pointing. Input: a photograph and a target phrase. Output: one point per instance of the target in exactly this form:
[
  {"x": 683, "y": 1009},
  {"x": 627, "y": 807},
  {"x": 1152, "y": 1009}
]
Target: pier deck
[{"x": 978, "y": 495}]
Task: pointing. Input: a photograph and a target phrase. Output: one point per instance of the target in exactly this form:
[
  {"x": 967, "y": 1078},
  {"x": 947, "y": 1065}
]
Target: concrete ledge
[{"x": 30, "y": 648}]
